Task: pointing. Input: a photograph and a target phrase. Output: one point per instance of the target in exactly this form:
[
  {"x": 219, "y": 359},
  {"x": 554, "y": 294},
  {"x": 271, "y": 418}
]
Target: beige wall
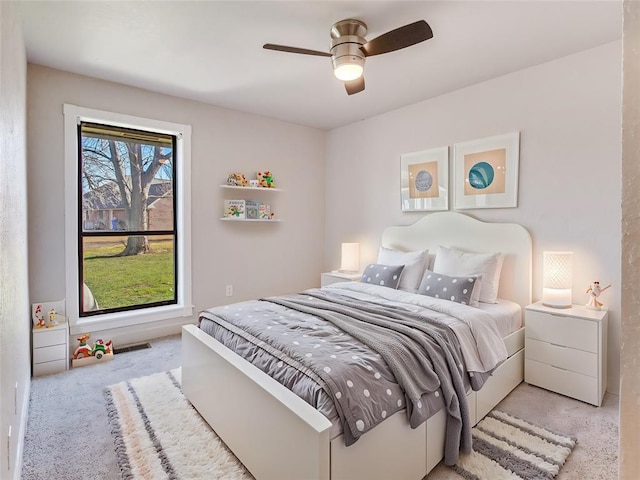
[
  {"x": 15, "y": 321},
  {"x": 630, "y": 358},
  {"x": 568, "y": 115},
  {"x": 257, "y": 259}
]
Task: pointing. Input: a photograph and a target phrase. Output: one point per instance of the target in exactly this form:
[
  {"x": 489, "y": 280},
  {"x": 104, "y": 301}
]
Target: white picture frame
[
  {"x": 485, "y": 172},
  {"x": 424, "y": 180}
]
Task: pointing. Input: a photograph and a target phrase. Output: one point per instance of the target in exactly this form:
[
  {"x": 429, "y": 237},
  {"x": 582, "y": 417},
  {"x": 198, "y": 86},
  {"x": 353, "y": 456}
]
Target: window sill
[{"x": 128, "y": 319}]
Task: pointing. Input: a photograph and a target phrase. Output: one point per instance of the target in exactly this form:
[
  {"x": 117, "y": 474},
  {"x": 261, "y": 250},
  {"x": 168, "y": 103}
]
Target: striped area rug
[
  {"x": 508, "y": 448},
  {"x": 159, "y": 435}
]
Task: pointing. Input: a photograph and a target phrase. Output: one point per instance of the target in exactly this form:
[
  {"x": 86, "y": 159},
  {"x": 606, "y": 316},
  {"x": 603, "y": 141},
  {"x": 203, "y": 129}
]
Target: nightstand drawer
[
  {"x": 561, "y": 330},
  {"x": 48, "y": 354},
  {"x": 572, "y": 384},
  {"x": 566, "y": 358},
  {"x": 51, "y": 337},
  {"x": 49, "y": 367}
]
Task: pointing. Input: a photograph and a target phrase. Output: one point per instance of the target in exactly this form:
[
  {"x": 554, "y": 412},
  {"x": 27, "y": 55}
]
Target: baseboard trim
[
  {"x": 124, "y": 336},
  {"x": 17, "y": 471}
]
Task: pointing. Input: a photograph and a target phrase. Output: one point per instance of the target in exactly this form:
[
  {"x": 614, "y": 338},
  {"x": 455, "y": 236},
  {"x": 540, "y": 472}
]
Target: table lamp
[
  {"x": 557, "y": 279},
  {"x": 350, "y": 262}
]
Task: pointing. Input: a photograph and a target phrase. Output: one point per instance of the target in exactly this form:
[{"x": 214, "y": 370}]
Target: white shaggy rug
[{"x": 159, "y": 435}]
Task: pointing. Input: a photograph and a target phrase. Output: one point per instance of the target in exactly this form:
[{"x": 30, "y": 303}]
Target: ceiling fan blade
[
  {"x": 399, "y": 38},
  {"x": 304, "y": 51},
  {"x": 354, "y": 86}
]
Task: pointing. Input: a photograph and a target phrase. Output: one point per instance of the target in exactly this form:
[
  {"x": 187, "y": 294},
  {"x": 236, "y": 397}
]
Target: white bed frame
[{"x": 279, "y": 436}]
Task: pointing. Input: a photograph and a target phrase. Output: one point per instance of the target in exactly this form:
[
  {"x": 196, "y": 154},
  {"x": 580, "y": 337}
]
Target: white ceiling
[{"x": 211, "y": 51}]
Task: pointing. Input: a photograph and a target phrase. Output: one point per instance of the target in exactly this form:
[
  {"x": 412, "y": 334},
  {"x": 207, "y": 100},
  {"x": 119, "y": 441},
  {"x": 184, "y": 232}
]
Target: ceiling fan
[{"x": 349, "y": 48}]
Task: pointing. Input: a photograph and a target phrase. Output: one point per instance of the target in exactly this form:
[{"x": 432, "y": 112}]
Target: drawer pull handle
[
  {"x": 557, "y": 345},
  {"x": 560, "y": 368}
]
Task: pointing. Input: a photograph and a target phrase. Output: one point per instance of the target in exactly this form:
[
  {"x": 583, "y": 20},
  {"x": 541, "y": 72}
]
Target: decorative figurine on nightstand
[
  {"x": 594, "y": 292},
  {"x": 52, "y": 319},
  {"x": 38, "y": 316}
]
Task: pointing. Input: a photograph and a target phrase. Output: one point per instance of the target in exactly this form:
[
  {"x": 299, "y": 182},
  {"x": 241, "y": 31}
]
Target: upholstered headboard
[{"x": 460, "y": 231}]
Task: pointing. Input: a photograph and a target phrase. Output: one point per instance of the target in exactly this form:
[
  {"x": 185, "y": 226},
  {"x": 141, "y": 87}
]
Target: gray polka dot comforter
[{"x": 359, "y": 353}]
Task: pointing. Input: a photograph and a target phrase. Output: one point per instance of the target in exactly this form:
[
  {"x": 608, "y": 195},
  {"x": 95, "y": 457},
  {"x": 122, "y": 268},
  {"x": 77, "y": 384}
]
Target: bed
[{"x": 277, "y": 435}]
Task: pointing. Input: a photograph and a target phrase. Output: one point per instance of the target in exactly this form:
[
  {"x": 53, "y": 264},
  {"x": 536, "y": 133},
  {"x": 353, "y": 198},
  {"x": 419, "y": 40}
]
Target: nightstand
[
  {"x": 51, "y": 349},
  {"x": 566, "y": 351},
  {"x": 335, "y": 277}
]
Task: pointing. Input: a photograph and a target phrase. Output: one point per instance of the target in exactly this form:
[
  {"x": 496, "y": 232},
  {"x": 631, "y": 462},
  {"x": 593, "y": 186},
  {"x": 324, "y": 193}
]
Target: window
[
  {"x": 128, "y": 220},
  {"x": 127, "y": 258}
]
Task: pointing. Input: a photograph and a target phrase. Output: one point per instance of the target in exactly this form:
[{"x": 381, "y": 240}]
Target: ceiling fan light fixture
[
  {"x": 348, "y": 72},
  {"x": 349, "y": 48},
  {"x": 348, "y": 68}
]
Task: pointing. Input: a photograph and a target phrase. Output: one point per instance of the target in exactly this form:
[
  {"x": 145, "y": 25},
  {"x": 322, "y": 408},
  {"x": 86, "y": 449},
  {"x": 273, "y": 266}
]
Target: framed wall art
[
  {"x": 485, "y": 172},
  {"x": 424, "y": 180}
]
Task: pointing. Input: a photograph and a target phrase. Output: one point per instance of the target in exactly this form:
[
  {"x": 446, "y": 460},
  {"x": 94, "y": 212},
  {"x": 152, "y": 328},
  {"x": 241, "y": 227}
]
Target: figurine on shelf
[
  {"x": 265, "y": 179},
  {"x": 594, "y": 292},
  {"x": 237, "y": 180}
]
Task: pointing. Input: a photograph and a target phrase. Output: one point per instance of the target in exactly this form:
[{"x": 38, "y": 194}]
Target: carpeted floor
[{"x": 68, "y": 434}]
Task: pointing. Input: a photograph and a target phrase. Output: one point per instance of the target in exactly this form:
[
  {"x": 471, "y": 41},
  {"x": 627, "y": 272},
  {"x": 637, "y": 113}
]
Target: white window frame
[{"x": 73, "y": 115}]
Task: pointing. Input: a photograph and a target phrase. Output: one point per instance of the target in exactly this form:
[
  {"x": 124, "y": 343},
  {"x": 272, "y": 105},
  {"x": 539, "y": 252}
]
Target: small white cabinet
[
  {"x": 566, "y": 351},
  {"x": 50, "y": 349},
  {"x": 335, "y": 277}
]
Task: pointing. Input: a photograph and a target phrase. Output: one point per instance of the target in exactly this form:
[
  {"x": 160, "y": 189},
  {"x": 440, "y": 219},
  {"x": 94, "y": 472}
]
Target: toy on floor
[
  {"x": 594, "y": 292},
  {"x": 98, "y": 351},
  {"x": 83, "y": 350}
]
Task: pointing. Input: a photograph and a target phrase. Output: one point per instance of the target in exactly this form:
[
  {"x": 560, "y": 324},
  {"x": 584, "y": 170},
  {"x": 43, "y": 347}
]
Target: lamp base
[
  {"x": 556, "y": 297},
  {"x": 556, "y": 306}
]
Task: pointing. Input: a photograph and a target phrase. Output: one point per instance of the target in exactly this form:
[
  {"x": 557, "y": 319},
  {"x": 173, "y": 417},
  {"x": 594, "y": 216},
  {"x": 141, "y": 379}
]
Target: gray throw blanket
[{"x": 422, "y": 353}]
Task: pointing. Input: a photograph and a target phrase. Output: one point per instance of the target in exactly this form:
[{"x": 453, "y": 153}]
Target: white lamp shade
[
  {"x": 557, "y": 279},
  {"x": 350, "y": 257}
]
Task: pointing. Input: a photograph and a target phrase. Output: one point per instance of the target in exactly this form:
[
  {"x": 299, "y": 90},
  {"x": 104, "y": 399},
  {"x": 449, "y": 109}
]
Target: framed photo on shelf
[
  {"x": 424, "y": 180},
  {"x": 485, "y": 172}
]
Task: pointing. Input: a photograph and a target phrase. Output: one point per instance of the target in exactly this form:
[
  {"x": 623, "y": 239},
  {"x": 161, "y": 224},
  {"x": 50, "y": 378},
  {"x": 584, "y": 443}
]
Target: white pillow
[
  {"x": 458, "y": 263},
  {"x": 414, "y": 263}
]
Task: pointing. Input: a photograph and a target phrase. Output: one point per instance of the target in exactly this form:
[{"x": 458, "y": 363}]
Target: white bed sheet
[
  {"x": 482, "y": 345},
  {"x": 507, "y": 315}
]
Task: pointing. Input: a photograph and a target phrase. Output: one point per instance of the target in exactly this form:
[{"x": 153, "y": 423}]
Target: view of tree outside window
[{"x": 127, "y": 219}]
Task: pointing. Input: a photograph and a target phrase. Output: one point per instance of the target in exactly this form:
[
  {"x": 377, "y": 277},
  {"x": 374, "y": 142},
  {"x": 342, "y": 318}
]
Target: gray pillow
[
  {"x": 454, "y": 289},
  {"x": 384, "y": 275}
]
